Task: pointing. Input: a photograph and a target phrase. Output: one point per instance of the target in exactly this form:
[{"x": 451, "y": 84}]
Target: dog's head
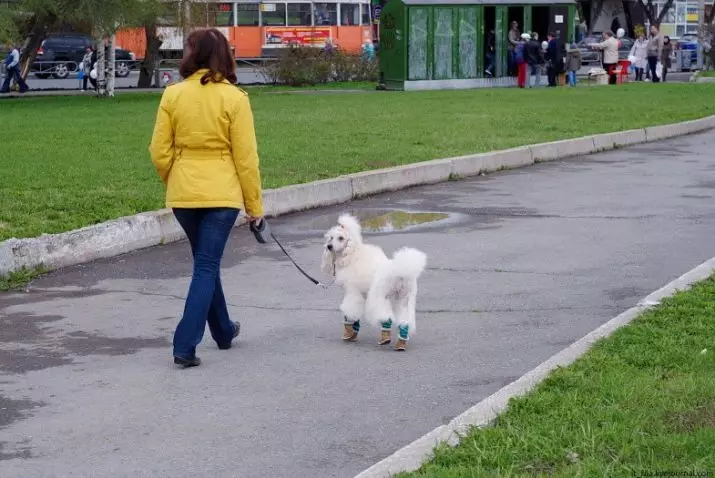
[{"x": 344, "y": 237}]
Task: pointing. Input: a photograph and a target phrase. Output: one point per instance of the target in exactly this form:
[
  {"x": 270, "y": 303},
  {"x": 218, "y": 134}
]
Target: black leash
[{"x": 259, "y": 231}]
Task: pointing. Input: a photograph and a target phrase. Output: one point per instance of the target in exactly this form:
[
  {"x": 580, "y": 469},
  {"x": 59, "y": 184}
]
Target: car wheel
[
  {"x": 121, "y": 69},
  {"x": 42, "y": 76},
  {"x": 61, "y": 71}
]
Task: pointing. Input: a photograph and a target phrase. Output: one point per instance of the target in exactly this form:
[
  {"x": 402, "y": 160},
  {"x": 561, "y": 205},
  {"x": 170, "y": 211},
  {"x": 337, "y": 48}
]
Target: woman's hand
[{"x": 254, "y": 218}]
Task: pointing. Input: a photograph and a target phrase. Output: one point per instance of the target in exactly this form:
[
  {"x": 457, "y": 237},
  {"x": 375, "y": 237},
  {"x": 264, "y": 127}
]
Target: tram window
[
  {"x": 247, "y": 14},
  {"x": 349, "y": 14},
  {"x": 274, "y": 14},
  {"x": 220, "y": 14},
  {"x": 365, "y": 13},
  {"x": 326, "y": 13},
  {"x": 299, "y": 14}
]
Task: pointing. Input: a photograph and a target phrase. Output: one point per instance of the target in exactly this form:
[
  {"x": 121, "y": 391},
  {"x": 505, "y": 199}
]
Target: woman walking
[
  {"x": 665, "y": 57},
  {"x": 639, "y": 56},
  {"x": 204, "y": 149}
]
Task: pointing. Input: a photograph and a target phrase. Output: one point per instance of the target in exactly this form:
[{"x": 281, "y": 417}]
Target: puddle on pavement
[
  {"x": 399, "y": 220},
  {"x": 384, "y": 221}
]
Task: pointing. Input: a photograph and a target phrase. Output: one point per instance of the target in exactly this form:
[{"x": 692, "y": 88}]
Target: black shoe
[
  {"x": 186, "y": 363},
  {"x": 236, "y": 331}
]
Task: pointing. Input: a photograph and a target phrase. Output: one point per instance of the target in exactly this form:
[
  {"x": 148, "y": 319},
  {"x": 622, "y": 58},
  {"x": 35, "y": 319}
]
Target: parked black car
[{"x": 60, "y": 54}]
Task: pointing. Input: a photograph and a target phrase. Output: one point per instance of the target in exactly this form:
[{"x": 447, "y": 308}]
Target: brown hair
[{"x": 208, "y": 48}]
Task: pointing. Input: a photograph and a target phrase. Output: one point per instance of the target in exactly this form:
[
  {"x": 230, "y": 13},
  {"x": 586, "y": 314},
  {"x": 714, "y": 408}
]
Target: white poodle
[{"x": 382, "y": 290}]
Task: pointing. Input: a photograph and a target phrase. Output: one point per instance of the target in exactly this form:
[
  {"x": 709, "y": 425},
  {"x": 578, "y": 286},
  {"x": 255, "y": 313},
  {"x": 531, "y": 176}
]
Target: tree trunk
[
  {"x": 34, "y": 41},
  {"x": 151, "y": 57},
  {"x": 664, "y": 11},
  {"x": 111, "y": 66},
  {"x": 648, "y": 9},
  {"x": 629, "y": 19},
  {"x": 101, "y": 68},
  {"x": 596, "y": 10}
]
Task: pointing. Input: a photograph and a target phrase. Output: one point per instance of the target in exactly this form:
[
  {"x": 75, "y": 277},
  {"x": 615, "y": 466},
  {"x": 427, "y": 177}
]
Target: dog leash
[{"x": 259, "y": 230}]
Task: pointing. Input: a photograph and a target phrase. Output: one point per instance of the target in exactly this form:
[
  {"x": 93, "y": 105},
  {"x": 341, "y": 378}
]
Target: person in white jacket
[
  {"x": 639, "y": 56},
  {"x": 610, "y": 54},
  {"x": 12, "y": 62}
]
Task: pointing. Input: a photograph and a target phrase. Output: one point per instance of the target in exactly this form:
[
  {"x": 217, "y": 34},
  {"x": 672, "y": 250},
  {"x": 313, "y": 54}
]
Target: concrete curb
[
  {"x": 412, "y": 456},
  {"x": 149, "y": 229}
]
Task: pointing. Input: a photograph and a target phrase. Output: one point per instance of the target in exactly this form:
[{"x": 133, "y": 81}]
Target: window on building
[
  {"x": 220, "y": 14},
  {"x": 325, "y": 13},
  {"x": 247, "y": 14},
  {"x": 679, "y": 31},
  {"x": 300, "y": 14},
  {"x": 274, "y": 14},
  {"x": 349, "y": 14},
  {"x": 365, "y": 8}
]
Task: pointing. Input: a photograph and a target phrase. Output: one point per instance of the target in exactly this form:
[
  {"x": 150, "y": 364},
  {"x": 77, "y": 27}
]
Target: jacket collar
[{"x": 199, "y": 73}]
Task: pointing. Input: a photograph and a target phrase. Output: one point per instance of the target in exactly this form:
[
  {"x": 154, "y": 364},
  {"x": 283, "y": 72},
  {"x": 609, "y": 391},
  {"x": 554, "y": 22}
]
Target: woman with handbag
[
  {"x": 638, "y": 56},
  {"x": 665, "y": 57},
  {"x": 204, "y": 149}
]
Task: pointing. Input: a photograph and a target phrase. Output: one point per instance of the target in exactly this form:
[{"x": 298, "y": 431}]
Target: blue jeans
[
  {"x": 572, "y": 78},
  {"x": 13, "y": 74},
  {"x": 535, "y": 72},
  {"x": 207, "y": 230}
]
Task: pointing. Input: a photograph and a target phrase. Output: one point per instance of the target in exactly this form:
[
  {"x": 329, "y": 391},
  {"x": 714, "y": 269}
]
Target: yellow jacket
[{"x": 204, "y": 147}]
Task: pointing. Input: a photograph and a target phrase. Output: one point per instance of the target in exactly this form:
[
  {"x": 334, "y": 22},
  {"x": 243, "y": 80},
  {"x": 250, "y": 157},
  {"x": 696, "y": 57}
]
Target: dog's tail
[
  {"x": 408, "y": 263},
  {"x": 394, "y": 289}
]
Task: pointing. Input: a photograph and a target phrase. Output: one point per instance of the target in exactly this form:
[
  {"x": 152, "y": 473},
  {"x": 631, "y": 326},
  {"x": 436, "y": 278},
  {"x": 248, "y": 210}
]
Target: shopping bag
[{"x": 659, "y": 69}]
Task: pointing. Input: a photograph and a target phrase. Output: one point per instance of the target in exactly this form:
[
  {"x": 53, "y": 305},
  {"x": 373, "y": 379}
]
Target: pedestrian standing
[
  {"x": 573, "y": 62},
  {"x": 655, "y": 52},
  {"x": 12, "y": 63},
  {"x": 554, "y": 59},
  {"x": 534, "y": 60},
  {"x": 665, "y": 57},
  {"x": 639, "y": 56},
  {"x": 520, "y": 59},
  {"x": 514, "y": 37},
  {"x": 609, "y": 46},
  {"x": 204, "y": 149},
  {"x": 88, "y": 60}
]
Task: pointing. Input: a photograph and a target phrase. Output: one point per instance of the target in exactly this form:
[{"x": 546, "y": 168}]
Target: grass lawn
[
  {"x": 710, "y": 73},
  {"x": 68, "y": 162},
  {"x": 639, "y": 402}
]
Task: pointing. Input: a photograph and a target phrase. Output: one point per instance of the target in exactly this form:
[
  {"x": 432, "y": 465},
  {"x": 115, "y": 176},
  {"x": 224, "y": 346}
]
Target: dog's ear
[
  {"x": 328, "y": 264},
  {"x": 352, "y": 226}
]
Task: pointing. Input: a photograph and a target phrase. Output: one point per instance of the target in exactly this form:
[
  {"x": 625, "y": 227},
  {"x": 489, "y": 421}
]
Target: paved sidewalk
[{"x": 527, "y": 262}]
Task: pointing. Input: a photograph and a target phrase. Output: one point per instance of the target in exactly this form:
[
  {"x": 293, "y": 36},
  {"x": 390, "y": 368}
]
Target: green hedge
[{"x": 301, "y": 66}]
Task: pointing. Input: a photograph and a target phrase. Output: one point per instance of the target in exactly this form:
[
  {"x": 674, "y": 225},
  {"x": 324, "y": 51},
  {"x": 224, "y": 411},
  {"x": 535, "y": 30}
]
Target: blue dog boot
[
  {"x": 351, "y": 330},
  {"x": 403, "y": 337},
  {"x": 386, "y": 333}
]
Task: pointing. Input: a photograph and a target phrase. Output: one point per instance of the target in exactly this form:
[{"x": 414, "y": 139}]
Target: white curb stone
[
  {"x": 392, "y": 179},
  {"x": 473, "y": 165},
  {"x": 412, "y": 456},
  {"x": 149, "y": 229},
  {"x": 562, "y": 149}
]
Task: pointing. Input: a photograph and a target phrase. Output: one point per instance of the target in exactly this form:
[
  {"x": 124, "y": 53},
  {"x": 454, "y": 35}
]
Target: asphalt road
[
  {"x": 524, "y": 263},
  {"x": 245, "y": 76}
]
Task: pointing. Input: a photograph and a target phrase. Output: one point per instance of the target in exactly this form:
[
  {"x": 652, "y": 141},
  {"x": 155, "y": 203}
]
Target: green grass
[
  {"x": 20, "y": 278},
  {"x": 639, "y": 402},
  {"x": 69, "y": 162},
  {"x": 710, "y": 73}
]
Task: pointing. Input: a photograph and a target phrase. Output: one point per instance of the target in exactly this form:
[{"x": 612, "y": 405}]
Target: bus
[{"x": 259, "y": 29}]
